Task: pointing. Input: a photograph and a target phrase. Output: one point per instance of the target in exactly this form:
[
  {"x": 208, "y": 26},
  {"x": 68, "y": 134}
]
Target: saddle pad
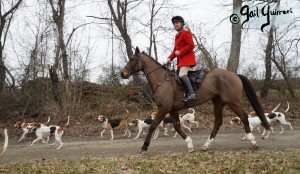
[{"x": 195, "y": 77}]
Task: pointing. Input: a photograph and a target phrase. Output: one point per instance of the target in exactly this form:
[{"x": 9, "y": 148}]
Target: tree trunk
[
  {"x": 2, "y": 76},
  {"x": 2, "y": 65},
  {"x": 155, "y": 48},
  {"x": 268, "y": 59},
  {"x": 285, "y": 77},
  {"x": 268, "y": 65},
  {"x": 120, "y": 20},
  {"x": 236, "y": 33},
  {"x": 61, "y": 50},
  {"x": 55, "y": 85},
  {"x": 3, "y": 33}
]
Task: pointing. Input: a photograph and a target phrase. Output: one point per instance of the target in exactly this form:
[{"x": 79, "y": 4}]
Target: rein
[
  {"x": 132, "y": 71},
  {"x": 161, "y": 82},
  {"x": 155, "y": 69}
]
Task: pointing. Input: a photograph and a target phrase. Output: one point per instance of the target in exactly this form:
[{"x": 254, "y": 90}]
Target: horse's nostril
[{"x": 124, "y": 75}]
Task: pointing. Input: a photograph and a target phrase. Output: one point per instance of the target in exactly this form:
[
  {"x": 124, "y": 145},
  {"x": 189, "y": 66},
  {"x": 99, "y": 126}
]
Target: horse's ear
[{"x": 137, "y": 50}]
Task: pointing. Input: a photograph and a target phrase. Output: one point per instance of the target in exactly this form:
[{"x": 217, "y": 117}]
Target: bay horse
[{"x": 221, "y": 86}]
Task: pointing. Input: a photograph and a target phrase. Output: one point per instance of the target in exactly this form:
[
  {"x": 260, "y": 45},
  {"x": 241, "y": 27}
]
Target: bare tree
[
  {"x": 58, "y": 13},
  {"x": 152, "y": 23},
  {"x": 268, "y": 58},
  {"x": 155, "y": 7},
  {"x": 120, "y": 19},
  {"x": 206, "y": 55},
  {"x": 119, "y": 15},
  {"x": 268, "y": 65},
  {"x": 66, "y": 94},
  {"x": 285, "y": 52},
  {"x": 236, "y": 30},
  {"x": 5, "y": 20}
]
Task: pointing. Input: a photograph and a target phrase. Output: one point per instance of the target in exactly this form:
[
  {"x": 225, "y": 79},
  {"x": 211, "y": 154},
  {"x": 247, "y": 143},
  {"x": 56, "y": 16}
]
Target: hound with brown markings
[
  {"x": 277, "y": 117},
  {"x": 43, "y": 131},
  {"x": 24, "y": 127},
  {"x": 110, "y": 124},
  {"x": 2, "y": 150},
  {"x": 254, "y": 122}
]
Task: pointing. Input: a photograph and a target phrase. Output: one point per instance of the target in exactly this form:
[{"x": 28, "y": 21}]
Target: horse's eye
[{"x": 133, "y": 58}]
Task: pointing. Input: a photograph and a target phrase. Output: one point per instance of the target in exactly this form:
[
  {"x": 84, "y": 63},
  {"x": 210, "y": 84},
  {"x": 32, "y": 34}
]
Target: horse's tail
[
  {"x": 2, "y": 150},
  {"x": 251, "y": 95}
]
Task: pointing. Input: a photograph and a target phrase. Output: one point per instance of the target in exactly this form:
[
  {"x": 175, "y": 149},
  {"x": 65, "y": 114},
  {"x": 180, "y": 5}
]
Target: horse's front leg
[
  {"x": 175, "y": 117},
  {"x": 218, "y": 109},
  {"x": 159, "y": 117}
]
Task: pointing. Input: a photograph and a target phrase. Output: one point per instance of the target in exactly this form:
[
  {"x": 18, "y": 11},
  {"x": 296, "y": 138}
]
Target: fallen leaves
[{"x": 283, "y": 161}]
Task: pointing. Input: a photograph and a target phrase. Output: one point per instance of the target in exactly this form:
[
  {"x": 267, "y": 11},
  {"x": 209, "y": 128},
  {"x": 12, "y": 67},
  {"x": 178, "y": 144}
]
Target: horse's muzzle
[{"x": 125, "y": 74}]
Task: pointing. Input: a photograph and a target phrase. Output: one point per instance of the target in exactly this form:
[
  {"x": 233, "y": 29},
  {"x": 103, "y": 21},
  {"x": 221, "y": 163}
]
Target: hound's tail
[
  {"x": 193, "y": 110},
  {"x": 67, "y": 124},
  {"x": 275, "y": 108},
  {"x": 251, "y": 95},
  {"x": 287, "y": 107},
  {"x": 2, "y": 150},
  {"x": 47, "y": 121}
]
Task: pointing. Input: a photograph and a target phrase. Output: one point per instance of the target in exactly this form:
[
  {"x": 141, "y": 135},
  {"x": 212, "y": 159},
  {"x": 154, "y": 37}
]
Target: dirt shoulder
[{"x": 80, "y": 147}]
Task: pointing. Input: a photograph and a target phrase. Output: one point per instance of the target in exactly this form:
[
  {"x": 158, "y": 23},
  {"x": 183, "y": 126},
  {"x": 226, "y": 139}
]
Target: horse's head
[{"x": 132, "y": 66}]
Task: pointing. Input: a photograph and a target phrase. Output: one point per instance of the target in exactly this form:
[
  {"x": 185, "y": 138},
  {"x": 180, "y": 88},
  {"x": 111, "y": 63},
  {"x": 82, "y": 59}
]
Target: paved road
[{"x": 75, "y": 147}]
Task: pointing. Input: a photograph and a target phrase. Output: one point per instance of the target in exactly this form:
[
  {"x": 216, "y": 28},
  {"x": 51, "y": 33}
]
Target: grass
[{"x": 281, "y": 161}]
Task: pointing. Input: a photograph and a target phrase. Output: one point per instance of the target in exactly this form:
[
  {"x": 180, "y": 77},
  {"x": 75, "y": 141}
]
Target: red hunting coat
[{"x": 185, "y": 44}]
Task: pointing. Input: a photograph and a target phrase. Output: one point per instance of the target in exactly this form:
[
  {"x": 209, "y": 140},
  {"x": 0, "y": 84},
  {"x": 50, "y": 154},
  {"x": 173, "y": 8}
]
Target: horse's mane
[{"x": 164, "y": 67}]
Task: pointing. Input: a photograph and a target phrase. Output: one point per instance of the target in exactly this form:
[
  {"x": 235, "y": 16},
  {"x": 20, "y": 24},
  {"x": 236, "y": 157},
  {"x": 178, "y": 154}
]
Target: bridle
[{"x": 132, "y": 71}]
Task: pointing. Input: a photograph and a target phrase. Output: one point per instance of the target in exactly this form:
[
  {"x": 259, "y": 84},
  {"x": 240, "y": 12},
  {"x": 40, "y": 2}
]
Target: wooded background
[{"x": 52, "y": 53}]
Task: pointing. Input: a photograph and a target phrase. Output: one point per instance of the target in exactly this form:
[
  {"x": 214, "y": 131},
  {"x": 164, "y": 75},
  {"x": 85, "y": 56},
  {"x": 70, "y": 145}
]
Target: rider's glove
[{"x": 168, "y": 61}]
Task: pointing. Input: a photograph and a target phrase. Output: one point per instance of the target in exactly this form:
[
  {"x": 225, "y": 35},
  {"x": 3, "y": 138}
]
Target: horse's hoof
[
  {"x": 143, "y": 152},
  {"x": 204, "y": 148},
  {"x": 190, "y": 150},
  {"x": 255, "y": 146}
]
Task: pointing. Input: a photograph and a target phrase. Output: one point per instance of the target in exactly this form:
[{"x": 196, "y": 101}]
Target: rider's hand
[
  {"x": 168, "y": 61},
  {"x": 177, "y": 53}
]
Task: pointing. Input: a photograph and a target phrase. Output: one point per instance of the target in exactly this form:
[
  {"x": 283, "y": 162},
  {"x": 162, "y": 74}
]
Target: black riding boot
[{"x": 190, "y": 92}]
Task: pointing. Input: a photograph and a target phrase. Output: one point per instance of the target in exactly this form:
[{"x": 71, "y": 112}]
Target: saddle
[{"x": 195, "y": 77}]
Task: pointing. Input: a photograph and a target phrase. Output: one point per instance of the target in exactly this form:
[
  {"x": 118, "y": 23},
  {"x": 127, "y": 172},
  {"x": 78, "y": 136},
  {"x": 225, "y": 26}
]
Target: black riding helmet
[{"x": 178, "y": 19}]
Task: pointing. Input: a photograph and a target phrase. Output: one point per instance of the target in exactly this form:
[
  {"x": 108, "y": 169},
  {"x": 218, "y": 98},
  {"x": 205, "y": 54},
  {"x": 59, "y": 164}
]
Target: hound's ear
[{"x": 137, "y": 50}]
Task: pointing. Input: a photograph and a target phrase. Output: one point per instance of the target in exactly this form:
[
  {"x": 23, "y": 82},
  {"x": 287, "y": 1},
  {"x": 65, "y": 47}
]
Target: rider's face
[{"x": 177, "y": 26}]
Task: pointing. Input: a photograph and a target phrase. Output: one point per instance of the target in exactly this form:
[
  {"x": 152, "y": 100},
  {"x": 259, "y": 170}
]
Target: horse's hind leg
[
  {"x": 176, "y": 122},
  {"x": 218, "y": 109},
  {"x": 159, "y": 117},
  {"x": 244, "y": 118}
]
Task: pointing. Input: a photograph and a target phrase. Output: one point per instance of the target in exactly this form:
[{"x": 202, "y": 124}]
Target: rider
[{"x": 185, "y": 54}]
